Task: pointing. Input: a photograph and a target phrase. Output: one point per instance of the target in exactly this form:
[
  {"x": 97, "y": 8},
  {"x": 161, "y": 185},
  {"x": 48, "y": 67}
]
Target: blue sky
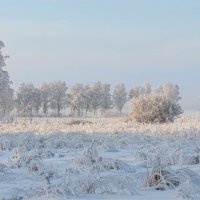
[{"x": 130, "y": 41}]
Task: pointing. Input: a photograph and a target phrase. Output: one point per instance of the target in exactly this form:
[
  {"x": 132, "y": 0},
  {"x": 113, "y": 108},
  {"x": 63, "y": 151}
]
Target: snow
[{"x": 99, "y": 158}]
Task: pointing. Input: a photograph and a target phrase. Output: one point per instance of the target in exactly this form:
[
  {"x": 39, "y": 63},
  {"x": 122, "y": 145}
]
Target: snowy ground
[{"x": 111, "y": 158}]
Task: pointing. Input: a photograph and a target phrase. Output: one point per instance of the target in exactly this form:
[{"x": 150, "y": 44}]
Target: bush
[{"x": 159, "y": 106}]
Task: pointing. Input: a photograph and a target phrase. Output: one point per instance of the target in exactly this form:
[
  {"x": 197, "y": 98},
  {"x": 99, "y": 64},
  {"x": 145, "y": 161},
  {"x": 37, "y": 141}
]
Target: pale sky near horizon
[{"x": 82, "y": 41}]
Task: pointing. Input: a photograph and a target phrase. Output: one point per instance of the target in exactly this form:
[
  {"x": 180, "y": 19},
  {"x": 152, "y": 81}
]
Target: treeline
[
  {"x": 79, "y": 99},
  {"x": 147, "y": 105},
  {"x": 57, "y": 99}
]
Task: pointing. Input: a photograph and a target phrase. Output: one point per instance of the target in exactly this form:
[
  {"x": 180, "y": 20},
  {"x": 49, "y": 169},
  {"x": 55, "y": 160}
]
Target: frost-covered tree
[
  {"x": 172, "y": 93},
  {"x": 119, "y": 97},
  {"x": 6, "y": 93},
  {"x": 96, "y": 96},
  {"x": 45, "y": 94},
  {"x": 87, "y": 96},
  {"x": 58, "y": 98},
  {"x": 36, "y": 101},
  {"x": 140, "y": 90},
  {"x": 75, "y": 98},
  {"x": 106, "y": 98},
  {"x": 159, "y": 106},
  {"x": 28, "y": 100}
]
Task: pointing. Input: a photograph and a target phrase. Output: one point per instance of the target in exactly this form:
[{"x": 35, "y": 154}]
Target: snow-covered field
[{"x": 110, "y": 158}]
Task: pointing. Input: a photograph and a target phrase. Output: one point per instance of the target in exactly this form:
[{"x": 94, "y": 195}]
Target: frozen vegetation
[{"x": 101, "y": 158}]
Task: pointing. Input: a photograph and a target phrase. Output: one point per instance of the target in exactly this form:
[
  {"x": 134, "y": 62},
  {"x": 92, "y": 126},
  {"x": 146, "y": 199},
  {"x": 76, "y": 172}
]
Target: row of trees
[
  {"x": 147, "y": 105},
  {"x": 80, "y": 99}
]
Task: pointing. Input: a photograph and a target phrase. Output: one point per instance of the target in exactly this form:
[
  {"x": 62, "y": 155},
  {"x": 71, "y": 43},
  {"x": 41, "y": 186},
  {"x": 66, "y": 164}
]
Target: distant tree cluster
[
  {"x": 147, "y": 105},
  {"x": 80, "y": 99}
]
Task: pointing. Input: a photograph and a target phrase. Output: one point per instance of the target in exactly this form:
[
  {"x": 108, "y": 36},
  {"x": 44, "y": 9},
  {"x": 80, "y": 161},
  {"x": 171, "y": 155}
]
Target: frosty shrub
[{"x": 159, "y": 106}]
